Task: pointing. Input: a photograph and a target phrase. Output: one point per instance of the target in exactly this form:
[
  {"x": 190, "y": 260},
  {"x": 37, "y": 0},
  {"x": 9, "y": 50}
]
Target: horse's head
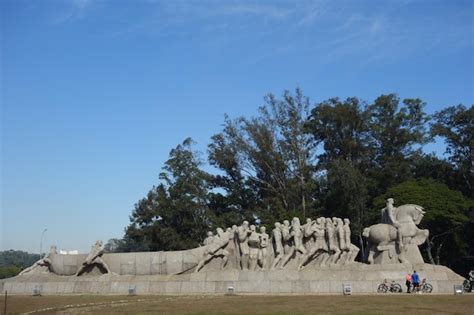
[
  {"x": 418, "y": 214},
  {"x": 410, "y": 213}
]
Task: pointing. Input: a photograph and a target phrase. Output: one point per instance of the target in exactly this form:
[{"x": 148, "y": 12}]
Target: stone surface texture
[{"x": 363, "y": 278}]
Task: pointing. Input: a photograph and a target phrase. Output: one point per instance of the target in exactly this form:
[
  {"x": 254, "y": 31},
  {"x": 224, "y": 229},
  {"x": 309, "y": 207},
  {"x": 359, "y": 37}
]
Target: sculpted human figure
[
  {"x": 340, "y": 240},
  {"x": 209, "y": 239},
  {"x": 216, "y": 249},
  {"x": 318, "y": 245},
  {"x": 263, "y": 253},
  {"x": 242, "y": 238},
  {"x": 277, "y": 244},
  {"x": 388, "y": 242},
  {"x": 331, "y": 239},
  {"x": 285, "y": 233},
  {"x": 43, "y": 262},
  {"x": 94, "y": 259},
  {"x": 308, "y": 233},
  {"x": 352, "y": 249},
  {"x": 254, "y": 247},
  {"x": 296, "y": 236},
  {"x": 388, "y": 216}
]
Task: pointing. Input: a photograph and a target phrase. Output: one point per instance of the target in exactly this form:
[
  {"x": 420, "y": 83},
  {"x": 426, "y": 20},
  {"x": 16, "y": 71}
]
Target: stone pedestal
[{"x": 363, "y": 278}]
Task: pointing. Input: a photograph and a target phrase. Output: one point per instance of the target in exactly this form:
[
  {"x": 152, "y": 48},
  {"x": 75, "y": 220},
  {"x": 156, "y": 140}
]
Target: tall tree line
[{"x": 333, "y": 158}]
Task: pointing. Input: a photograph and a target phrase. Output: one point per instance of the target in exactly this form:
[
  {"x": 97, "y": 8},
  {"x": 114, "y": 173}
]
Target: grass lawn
[{"x": 241, "y": 304}]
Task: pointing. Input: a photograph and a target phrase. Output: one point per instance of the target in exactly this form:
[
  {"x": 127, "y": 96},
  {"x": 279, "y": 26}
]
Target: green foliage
[
  {"x": 175, "y": 214},
  {"x": 456, "y": 125},
  {"x": 9, "y": 271},
  {"x": 17, "y": 258},
  {"x": 13, "y": 261},
  {"x": 447, "y": 215},
  {"x": 266, "y": 160}
]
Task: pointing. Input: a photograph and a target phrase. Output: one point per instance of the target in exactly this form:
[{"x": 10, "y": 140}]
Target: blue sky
[{"x": 95, "y": 93}]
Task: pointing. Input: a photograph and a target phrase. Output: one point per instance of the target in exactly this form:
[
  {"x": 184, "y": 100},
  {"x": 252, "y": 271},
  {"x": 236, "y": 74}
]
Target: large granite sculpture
[
  {"x": 43, "y": 264},
  {"x": 314, "y": 257},
  {"x": 322, "y": 242},
  {"x": 397, "y": 237},
  {"x": 93, "y": 260}
]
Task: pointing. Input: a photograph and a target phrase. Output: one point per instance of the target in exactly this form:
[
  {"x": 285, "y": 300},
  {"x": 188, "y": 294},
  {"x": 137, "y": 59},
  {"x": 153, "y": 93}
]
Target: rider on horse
[{"x": 389, "y": 217}]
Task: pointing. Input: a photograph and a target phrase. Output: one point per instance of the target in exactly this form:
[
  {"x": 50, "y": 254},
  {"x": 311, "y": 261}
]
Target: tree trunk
[
  {"x": 429, "y": 245},
  {"x": 438, "y": 251},
  {"x": 303, "y": 200}
]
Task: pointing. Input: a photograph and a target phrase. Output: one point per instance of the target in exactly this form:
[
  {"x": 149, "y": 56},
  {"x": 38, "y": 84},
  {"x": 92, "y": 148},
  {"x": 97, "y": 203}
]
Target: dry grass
[{"x": 309, "y": 304}]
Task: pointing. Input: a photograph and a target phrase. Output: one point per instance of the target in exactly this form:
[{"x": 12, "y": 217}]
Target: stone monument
[
  {"x": 316, "y": 257},
  {"x": 397, "y": 237}
]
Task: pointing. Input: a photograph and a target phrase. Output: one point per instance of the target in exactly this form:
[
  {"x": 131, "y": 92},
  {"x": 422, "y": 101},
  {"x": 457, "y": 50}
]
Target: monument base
[{"x": 363, "y": 278}]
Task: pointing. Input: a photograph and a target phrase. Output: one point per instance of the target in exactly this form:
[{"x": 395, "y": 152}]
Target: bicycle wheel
[
  {"x": 466, "y": 285},
  {"x": 382, "y": 288},
  {"x": 397, "y": 288},
  {"x": 427, "y": 288}
]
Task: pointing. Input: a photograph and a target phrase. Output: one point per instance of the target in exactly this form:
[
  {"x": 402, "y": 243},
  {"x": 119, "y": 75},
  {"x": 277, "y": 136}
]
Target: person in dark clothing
[{"x": 408, "y": 282}]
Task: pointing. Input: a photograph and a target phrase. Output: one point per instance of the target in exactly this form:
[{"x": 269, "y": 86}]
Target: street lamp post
[{"x": 41, "y": 242}]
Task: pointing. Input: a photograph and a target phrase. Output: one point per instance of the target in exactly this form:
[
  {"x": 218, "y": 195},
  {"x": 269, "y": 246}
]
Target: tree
[
  {"x": 175, "y": 214},
  {"x": 267, "y": 158},
  {"x": 446, "y": 216},
  {"x": 397, "y": 134},
  {"x": 346, "y": 195},
  {"x": 456, "y": 125},
  {"x": 342, "y": 128}
]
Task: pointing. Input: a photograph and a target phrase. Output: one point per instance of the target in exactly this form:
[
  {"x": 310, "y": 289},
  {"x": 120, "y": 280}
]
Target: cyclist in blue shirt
[{"x": 415, "y": 280}]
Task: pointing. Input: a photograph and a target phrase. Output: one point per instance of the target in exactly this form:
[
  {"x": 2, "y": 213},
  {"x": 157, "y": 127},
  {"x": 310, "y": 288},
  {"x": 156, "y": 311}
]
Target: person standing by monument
[
  {"x": 408, "y": 282},
  {"x": 415, "y": 280}
]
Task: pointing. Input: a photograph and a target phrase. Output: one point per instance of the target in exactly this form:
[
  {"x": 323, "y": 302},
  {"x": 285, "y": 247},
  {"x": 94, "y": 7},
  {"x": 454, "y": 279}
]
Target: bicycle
[
  {"x": 393, "y": 288},
  {"x": 424, "y": 287}
]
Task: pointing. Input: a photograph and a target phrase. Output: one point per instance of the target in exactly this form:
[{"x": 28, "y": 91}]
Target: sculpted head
[
  {"x": 219, "y": 231},
  {"x": 347, "y": 221},
  {"x": 253, "y": 228},
  {"x": 286, "y": 223},
  {"x": 390, "y": 201},
  {"x": 245, "y": 224},
  {"x": 53, "y": 250},
  {"x": 277, "y": 225},
  {"x": 209, "y": 233},
  {"x": 295, "y": 221},
  {"x": 263, "y": 229},
  {"x": 319, "y": 220},
  {"x": 308, "y": 220}
]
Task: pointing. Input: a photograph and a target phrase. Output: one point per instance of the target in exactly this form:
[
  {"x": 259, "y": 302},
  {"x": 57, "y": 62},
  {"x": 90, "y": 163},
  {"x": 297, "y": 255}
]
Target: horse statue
[{"x": 384, "y": 237}]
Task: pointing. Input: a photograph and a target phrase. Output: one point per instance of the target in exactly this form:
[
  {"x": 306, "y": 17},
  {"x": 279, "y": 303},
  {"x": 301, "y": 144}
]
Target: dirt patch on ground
[{"x": 241, "y": 304}]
